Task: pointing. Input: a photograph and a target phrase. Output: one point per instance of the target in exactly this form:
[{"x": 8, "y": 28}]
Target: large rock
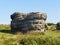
[
  {"x": 58, "y": 26},
  {"x": 27, "y": 22}
]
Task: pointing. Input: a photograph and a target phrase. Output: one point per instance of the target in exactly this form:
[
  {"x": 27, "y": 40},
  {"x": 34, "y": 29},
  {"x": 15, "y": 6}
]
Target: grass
[{"x": 32, "y": 38}]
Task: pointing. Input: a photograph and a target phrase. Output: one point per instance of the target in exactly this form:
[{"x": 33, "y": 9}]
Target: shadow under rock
[{"x": 6, "y": 31}]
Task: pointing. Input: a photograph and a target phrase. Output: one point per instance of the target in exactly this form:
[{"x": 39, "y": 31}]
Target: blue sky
[{"x": 51, "y": 7}]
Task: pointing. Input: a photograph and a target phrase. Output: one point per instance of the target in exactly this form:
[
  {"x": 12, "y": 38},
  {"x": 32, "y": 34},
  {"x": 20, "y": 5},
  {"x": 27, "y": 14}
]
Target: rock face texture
[
  {"x": 27, "y": 22},
  {"x": 58, "y": 26}
]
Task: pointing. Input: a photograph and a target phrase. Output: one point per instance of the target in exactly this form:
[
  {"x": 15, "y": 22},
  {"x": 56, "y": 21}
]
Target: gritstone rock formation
[
  {"x": 27, "y": 22},
  {"x": 58, "y": 26}
]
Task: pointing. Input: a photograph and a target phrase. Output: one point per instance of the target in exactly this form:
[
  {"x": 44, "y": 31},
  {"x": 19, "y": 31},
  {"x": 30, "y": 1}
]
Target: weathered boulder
[
  {"x": 27, "y": 22},
  {"x": 58, "y": 26}
]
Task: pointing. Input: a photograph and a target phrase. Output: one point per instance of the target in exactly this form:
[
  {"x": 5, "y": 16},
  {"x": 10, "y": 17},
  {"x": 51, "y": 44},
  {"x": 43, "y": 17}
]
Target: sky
[{"x": 50, "y": 7}]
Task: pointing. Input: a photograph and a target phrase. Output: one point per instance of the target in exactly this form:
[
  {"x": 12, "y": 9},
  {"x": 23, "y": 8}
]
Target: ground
[{"x": 48, "y": 37}]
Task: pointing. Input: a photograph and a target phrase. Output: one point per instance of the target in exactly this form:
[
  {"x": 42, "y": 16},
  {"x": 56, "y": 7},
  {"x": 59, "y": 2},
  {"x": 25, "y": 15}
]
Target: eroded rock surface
[{"x": 27, "y": 22}]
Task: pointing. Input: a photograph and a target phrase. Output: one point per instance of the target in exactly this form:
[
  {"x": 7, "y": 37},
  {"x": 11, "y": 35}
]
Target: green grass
[{"x": 33, "y": 38}]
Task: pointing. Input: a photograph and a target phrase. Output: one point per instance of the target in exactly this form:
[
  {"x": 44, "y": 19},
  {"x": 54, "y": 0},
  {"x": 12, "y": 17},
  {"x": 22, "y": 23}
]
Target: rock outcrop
[
  {"x": 27, "y": 22},
  {"x": 58, "y": 26}
]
